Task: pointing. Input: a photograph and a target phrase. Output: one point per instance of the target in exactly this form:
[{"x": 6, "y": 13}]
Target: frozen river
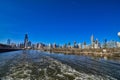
[{"x": 37, "y": 65}]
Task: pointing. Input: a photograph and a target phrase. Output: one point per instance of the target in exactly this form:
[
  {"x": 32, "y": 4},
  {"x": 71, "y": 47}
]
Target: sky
[{"x": 59, "y": 21}]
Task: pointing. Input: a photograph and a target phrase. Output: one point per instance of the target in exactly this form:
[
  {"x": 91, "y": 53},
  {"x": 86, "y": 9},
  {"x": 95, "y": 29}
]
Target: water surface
[{"x": 34, "y": 64}]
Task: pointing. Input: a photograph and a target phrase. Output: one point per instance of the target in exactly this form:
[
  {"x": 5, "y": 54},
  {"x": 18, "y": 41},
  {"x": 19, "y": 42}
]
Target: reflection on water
[{"x": 32, "y": 64}]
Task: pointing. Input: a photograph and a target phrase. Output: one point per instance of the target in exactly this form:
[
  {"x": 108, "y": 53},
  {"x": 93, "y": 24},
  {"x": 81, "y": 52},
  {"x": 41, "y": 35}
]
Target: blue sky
[{"x": 59, "y": 21}]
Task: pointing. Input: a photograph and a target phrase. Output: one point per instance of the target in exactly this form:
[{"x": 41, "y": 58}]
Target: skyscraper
[
  {"x": 92, "y": 41},
  {"x": 26, "y": 41},
  {"x": 29, "y": 43},
  {"x": 96, "y": 45},
  {"x": 8, "y": 41}
]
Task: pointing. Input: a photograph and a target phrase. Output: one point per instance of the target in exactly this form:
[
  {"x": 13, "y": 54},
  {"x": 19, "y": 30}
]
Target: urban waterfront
[
  {"x": 60, "y": 40},
  {"x": 39, "y": 65}
]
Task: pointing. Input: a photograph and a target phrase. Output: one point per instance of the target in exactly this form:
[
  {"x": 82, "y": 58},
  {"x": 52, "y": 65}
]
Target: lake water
[{"x": 38, "y": 65}]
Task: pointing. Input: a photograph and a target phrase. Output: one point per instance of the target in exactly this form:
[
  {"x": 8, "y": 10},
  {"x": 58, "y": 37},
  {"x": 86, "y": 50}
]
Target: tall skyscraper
[
  {"x": 96, "y": 45},
  {"x": 74, "y": 44},
  {"x": 84, "y": 44},
  {"x": 92, "y": 41},
  {"x": 8, "y": 42},
  {"x": 26, "y": 41}
]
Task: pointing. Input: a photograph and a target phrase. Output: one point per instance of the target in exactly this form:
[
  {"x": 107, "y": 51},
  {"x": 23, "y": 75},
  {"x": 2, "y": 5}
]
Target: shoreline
[
  {"x": 8, "y": 50},
  {"x": 87, "y": 52}
]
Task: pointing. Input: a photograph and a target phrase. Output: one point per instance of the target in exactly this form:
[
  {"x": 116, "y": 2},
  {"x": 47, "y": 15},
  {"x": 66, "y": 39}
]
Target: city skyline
[
  {"x": 59, "y": 21},
  {"x": 94, "y": 43}
]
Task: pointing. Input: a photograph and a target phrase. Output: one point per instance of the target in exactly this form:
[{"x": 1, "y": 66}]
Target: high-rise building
[
  {"x": 92, "y": 41},
  {"x": 21, "y": 45},
  {"x": 50, "y": 45},
  {"x": 29, "y": 43},
  {"x": 26, "y": 41},
  {"x": 80, "y": 46},
  {"x": 54, "y": 45},
  {"x": 8, "y": 42},
  {"x": 84, "y": 44},
  {"x": 96, "y": 45},
  {"x": 74, "y": 44},
  {"x": 69, "y": 45},
  {"x": 13, "y": 45}
]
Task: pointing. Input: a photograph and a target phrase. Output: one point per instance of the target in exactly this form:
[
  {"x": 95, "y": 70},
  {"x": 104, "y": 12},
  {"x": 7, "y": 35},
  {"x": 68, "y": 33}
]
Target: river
[{"x": 38, "y": 65}]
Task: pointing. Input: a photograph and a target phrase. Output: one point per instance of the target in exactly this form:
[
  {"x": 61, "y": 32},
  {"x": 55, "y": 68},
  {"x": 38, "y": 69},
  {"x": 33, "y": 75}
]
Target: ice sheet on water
[{"x": 47, "y": 68}]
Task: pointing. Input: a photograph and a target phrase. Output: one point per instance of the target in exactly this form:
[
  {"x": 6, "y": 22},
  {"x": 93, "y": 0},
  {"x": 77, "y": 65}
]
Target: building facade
[{"x": 26, "y": 41}]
